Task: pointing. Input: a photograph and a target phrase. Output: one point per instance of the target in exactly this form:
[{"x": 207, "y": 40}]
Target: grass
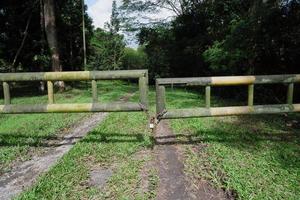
[
  {"x": 111, "y": 144},
  {"x": 22, "y": 136},
  {"x": 257, "y": 157}
]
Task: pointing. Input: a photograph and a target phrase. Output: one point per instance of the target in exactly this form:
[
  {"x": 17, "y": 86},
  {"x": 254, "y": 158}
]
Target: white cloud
[{"x": 100, "y": 12}]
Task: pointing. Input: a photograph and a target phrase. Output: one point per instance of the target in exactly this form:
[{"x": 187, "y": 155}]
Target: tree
[
  {"x": 107, "y": 50},
  {"x": 51, "y": 33},
  {"x": 23, "y": 39},
  {"x": 134, "y": 59}
]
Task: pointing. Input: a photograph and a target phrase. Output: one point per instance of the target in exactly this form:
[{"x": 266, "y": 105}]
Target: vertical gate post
[
  {"x": 6, "y": 92},
  {"x": 94, "y": 91},
  {"x": 50, "y": 92},
  {"x": 207, "y": 96},
  {"x": 160, "y": 99},
  {"x": 143, "y": 86},
  {"x": 250, "y": 95},
  {"x": 290, "y": 94}
]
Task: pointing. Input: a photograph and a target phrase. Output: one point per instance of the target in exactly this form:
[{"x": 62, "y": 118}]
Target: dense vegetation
[
  {"x": 229, "y": 37},
  {"x": 204, "y": 37}
]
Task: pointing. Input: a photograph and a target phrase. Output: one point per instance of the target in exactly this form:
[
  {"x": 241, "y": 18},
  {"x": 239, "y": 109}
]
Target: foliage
[
  {"x": 222, "y": 37},
  {"x": 107, "y": 50},
  {"x": 134, "y": 59},
  {"x": 35, "y": 56}
]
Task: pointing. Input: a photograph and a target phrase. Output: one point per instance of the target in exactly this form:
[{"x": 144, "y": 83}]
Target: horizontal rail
[
  {"x": 73, "y": 76},
  {"x": 231, "y": 80},
  {"x": 228, "y": 111},
  {"x": 70, "y": 108}
]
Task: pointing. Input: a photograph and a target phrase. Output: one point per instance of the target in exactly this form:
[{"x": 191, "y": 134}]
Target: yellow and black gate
[
  {"x": 161, "y": 108},
  {"x": 93, "y": 76},
  {"x": 208, "y": 82}
]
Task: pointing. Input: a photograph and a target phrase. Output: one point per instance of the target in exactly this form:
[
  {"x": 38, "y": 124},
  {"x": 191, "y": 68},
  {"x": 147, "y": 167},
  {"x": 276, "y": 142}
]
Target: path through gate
[
  {"x": 208, "y": 82},
  {"x": 93, "y": 76}
]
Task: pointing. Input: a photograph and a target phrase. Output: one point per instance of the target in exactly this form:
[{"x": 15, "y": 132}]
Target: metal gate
[
  {"x": 93, "y": 76},
  {"x": 208, "y": 82}
]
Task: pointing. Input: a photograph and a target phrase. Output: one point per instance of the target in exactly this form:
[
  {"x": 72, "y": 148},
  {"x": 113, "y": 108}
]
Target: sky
[{"x": 100, "y": 12}]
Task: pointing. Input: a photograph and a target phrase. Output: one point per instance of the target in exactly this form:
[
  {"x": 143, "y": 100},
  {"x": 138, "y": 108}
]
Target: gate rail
[
  {"x": 94, "y": 76},
  {"x": 208, "y": 82}
]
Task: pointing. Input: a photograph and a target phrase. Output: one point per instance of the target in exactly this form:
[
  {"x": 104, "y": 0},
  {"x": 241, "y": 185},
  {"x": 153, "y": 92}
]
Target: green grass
[
  {"x": 258, "y": 157},
  {"x": 111, "y": 144},
  {"x": 22, "y": 136}
]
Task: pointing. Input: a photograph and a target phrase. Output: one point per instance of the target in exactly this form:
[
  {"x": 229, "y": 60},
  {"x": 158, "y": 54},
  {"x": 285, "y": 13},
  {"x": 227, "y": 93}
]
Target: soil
[
  {"x": 168, "y": 162},
  {"x": 24, "y": 175},
  {"x": 174, "y": 184}
]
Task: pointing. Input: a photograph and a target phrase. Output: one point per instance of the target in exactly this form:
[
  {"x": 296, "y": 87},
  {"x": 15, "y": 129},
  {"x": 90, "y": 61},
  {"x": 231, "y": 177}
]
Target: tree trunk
[{"x": 50, "y": 30}]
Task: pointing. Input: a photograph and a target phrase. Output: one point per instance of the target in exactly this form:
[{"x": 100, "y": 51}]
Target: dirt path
[
  {"x": 24, "y": 175},
  {"x": 173, "y": 184}
]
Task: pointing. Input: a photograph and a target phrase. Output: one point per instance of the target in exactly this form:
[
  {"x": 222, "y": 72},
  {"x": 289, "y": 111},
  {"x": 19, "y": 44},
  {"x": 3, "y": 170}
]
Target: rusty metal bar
[
  {"x": 290, "y": 93},
  {"x": 207, "y": 96},
  {"x": 228, "y": 111},
  {"x": 70, "y": 108},
  {"x": 6, "y": 92},
  {"x": 50, "y": 92},
  {"x": 250, "y": 95},
  {"x": 94, "y": 91}
]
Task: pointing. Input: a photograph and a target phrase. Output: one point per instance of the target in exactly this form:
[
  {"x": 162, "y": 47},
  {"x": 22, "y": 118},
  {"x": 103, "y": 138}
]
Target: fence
[
  {"x": 208, "y": 82},
  {"x": 93, "y": 76}
]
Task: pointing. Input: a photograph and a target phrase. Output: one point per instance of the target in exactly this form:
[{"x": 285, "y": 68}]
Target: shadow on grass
[
  {"x": 262, "y": 136},
  {"x": 252, "y": 134},
  {"x": 7, "y": 140}
]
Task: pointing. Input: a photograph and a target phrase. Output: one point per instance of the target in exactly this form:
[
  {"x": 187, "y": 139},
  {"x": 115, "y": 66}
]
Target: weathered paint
[
  {"x": 73, "y": 76},
  {"x": 143, "y": 87},
  {"x": 250, "y": 95},
  {"x": 227, "y": 81},
  {"x": 207, "y": 96},
  {"x": 160, "y": 99},
  {"x": 50, "y": 92},
  {"x": 6, "y": 92},
  {"x": 231, "y": 80},
  {"x": 93, "y": 76},
  {"x": 94, "y": 91},
  {"x": 228, "y": 111},
  {"x": 70, "y": 108},
  {"x": 290, "y": 93}
]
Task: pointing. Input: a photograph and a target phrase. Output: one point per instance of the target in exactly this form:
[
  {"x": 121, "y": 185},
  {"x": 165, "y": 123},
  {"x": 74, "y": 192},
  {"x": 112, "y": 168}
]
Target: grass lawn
[
  {"x": 257, "y": 157},
  {"x": 114, "y": 144},
  {"x": 22, "y": 136}
]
